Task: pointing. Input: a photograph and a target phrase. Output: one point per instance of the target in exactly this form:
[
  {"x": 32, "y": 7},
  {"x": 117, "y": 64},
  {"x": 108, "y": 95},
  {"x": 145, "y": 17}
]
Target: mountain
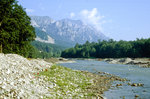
[
  {"x": 65, "y": 32},
  {"x": 41, "y": 21},
  {"x": 42, "y": 36}
]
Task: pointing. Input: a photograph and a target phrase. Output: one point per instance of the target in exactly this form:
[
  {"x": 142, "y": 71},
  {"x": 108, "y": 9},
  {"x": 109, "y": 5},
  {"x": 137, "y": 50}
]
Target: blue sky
[{"x": 117, "y": 19}]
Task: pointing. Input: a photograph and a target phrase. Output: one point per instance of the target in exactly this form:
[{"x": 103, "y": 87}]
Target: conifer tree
[{"x": 16, "y": 33}]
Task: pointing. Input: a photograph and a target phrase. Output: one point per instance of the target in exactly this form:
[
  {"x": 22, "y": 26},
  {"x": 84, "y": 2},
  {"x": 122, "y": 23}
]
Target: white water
[{"x": 133, "y": 73}]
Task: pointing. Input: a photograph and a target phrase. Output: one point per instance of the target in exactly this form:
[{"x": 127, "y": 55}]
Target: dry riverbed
[{"x": 36, "y": 78}]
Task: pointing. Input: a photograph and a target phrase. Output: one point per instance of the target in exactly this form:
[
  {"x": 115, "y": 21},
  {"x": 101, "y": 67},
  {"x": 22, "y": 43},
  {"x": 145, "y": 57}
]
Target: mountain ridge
[{"x": 67, "y": 31}]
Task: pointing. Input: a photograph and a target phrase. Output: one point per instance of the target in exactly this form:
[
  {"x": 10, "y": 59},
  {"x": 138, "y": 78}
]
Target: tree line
[{"x": 110, "y": 49}]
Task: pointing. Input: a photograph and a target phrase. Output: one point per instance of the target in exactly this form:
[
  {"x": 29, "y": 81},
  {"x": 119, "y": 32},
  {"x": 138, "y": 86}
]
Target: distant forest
[{"x": 110, "y": 49}]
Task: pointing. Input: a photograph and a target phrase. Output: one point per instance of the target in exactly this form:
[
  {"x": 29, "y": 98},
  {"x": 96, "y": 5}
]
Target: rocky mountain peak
[
  {"x": 41, "y": 21},
  {"x": 67, "y": 30}
]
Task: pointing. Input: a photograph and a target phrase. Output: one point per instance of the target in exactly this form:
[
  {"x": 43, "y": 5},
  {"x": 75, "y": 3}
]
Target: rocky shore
[
  {"x": 142, "y": 62},
  {"x": 22, "y": 78},
  {"x": 16, "y": 77}
]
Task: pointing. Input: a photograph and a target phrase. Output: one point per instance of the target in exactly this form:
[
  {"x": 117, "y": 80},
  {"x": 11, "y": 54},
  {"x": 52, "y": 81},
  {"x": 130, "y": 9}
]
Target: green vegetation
[
  {"x": 66, "y": 82},
  {"x": 46, "y": 50},
  {"x": 16, "y": 33},
  {"x": 110, "y": 49}
]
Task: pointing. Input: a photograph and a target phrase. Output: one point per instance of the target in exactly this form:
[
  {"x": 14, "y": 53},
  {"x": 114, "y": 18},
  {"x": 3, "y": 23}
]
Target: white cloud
[
  {"x": 72, "y": 15},
  {"x": 92, "y": 17},
  {"x": 30, "y": 10}
]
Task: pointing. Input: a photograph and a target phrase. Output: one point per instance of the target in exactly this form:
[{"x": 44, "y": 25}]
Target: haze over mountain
[{"x": 65, "y": 31}]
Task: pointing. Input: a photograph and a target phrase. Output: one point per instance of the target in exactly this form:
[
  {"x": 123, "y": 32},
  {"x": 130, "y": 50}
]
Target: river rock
[
  {"x": 136, "y": 95},
  {"x": 139, "y": 84},
  {"x": 134, "y": 84},
  {"x": 16, "y": 77},
  {"x": 118, "y": 84}
]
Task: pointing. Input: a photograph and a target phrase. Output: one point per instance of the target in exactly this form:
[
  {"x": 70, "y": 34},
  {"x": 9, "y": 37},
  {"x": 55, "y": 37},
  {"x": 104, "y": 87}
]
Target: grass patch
[{"x": 65, "y": 82}]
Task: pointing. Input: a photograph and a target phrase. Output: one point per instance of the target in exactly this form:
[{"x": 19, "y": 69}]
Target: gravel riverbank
[
  {"x": 142, "y": 62},
  {"x": 22, "y": 78},
  {"x": 16, "y": 77}
]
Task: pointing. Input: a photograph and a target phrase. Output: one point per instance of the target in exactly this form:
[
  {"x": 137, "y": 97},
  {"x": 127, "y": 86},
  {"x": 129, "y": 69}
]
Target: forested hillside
[
  {"x": 46, "y": 50},
  {"x": 110, "y": 49}
]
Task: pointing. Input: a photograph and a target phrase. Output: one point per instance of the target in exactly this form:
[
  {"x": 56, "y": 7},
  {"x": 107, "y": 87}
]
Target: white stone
[
  {"x": 12, "y": 83},
  {"x": 3, "y": 87},
  {"x": 16, "y": 73}
]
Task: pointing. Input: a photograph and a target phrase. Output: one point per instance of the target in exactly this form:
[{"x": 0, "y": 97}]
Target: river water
[{"x": 133, "y": 73}]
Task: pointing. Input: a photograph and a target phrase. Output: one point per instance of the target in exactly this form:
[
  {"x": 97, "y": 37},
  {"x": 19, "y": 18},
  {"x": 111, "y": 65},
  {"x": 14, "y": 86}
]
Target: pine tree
[
  {"x": 5, "y": 11},
  {"x": 16, "y": 33}
]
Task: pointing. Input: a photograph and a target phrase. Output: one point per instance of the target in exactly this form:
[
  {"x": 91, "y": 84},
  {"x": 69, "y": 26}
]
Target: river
[{"x": 133, "y": 73}]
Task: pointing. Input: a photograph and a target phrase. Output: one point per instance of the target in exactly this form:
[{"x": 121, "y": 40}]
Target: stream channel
[{"x": 133, "y": 73}]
